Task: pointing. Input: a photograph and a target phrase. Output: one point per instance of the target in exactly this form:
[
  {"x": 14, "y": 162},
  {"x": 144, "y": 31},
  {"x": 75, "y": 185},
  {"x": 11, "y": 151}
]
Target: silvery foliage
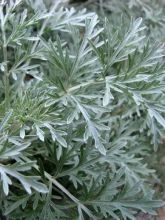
[{"x": 82, "y": 102}]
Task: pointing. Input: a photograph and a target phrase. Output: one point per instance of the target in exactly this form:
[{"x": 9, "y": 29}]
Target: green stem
[
  {"x": 72, "y": 197},
  {"x": 6, "y": 79},
  {"x": 6, "y": 73},
  {"x": 67, "y": 193}
]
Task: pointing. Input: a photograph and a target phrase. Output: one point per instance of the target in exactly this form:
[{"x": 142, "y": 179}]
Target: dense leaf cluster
[{"x": 82, "y": 103}]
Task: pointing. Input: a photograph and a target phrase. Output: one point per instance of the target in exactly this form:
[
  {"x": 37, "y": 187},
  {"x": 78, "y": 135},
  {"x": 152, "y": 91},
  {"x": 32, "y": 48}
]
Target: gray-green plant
[{"x": 82, "y": 103}]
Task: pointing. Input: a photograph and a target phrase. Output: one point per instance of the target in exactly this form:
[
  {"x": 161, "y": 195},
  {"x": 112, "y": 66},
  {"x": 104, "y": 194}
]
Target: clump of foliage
[{"x": 82, "y": 103}]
